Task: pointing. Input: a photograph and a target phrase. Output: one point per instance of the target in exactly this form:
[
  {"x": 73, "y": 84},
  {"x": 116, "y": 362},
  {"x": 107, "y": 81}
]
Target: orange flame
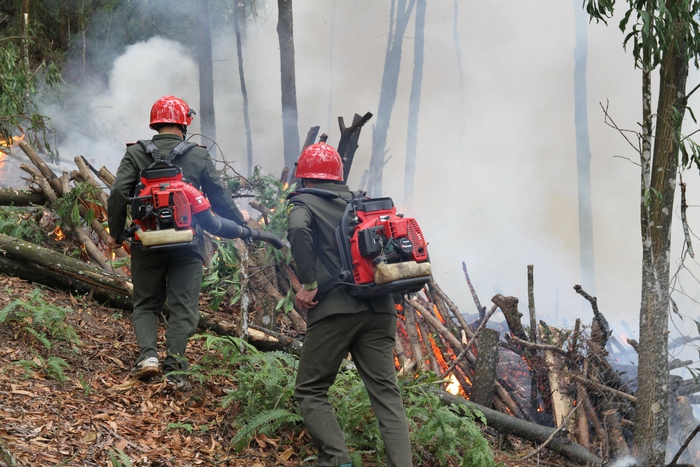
[
  {"x": 10, "y": 142},
  {"x": 58, "y": 234},
  {"x": 453, "y": 387}
]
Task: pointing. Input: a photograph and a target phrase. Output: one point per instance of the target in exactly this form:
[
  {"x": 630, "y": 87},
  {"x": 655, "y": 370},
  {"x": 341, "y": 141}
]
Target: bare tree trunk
[
  {"x": 462, "y": 95},
  {"x": 290, "y": 124},
  {"x": 583, "y": 152},
  {"x": 414, "y": 106},
  {"x": 239, "y": 28},
  {"x": 206, "y": 76},
  {"x": 387, "y": 96},
  {"x": 651, "y": 421}
]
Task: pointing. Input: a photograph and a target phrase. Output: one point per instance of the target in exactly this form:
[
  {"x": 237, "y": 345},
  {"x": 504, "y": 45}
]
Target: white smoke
[
  {"x": 624, "y": 462},
  {"x": 100, "y": 120},
  {"x": 505, "y": 200}
]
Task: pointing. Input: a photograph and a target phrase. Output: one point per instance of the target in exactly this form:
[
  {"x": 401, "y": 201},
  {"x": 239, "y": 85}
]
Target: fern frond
[
  {"x": 265, "y": 422},
  {"x": 5, "y": 312}
]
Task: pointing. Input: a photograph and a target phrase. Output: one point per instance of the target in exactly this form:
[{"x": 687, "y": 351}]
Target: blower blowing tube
[{"x": 222, "y": 227}]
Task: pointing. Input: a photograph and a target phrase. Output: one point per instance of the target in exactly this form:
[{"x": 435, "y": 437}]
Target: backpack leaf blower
[
  {"x": 381, "y": 252},
  {"x": 166, "y": 208}
]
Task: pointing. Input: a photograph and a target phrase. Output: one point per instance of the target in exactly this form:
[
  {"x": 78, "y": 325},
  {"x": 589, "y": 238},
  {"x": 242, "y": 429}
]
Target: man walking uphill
[
  {"x": 339, "y": 323},
  {"x": 166, "y": 274}
]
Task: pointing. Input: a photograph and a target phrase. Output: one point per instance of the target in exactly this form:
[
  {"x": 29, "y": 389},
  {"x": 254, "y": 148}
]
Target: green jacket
[
  {"x": 312, "y": 223},
  {"x": 197, "y": 168}
]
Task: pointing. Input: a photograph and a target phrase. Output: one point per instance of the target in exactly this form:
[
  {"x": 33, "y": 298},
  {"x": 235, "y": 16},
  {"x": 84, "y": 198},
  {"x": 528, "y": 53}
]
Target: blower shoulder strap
[
  {"x": 150, "y": 147},
  {"x": 344, "y": 275}
]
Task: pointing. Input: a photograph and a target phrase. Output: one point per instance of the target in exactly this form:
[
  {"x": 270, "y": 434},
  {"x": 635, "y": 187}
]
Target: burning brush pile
[{"x": 552, "y": 386}]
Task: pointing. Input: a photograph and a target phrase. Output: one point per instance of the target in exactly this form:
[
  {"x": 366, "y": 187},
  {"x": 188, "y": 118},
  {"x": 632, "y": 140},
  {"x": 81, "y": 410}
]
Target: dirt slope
[{"x": 99, "y": 408}]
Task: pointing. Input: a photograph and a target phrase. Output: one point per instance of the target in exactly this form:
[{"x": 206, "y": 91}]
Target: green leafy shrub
[
  {"x": 22, "y": 223},
  {"x": 223, "y": 275},
  {"x": 67, "y": 207}
]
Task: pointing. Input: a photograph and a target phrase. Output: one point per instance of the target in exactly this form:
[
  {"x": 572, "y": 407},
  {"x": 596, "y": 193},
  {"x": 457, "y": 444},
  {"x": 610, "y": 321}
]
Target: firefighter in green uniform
[
  {"x": 172, "y": 275},
  {"x": 338, "y": 323}
]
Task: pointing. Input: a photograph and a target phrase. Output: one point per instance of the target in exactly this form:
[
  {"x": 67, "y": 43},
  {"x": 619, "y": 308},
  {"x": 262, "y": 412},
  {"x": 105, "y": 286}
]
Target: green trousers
[
  {"x": 158, "y": 276},
  {"x": 369, "y": 337}
]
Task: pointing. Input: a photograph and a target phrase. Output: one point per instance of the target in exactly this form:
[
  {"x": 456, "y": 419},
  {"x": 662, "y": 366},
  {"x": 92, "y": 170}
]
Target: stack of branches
[
  {"x": 85, "y": 224},
  {"x": 576, "y": 403}
]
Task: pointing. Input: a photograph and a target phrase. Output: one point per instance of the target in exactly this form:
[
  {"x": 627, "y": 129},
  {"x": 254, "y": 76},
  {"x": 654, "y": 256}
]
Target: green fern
[
  {"x": 6, "y": 313},
  {"x": 39, "y": 318},
  {"x": 54, "y": 368},
  {"x": 440, "y": 432},
  {"x": 22, "y": 223},
  {"x": 40, "y": 336},
  {"x": 265, "y": 381},
  {"x": 267, "y": 423},
  {"x": 181, "y": 426}
]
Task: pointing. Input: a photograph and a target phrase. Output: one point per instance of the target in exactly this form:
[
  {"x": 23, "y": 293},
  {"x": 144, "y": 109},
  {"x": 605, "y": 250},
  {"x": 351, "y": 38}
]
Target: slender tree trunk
[
  {"x": 387, "y": 96},
  {"x": 414, "y": 105},
  {"x": 462, "y": 93},
  {"x": 583, "y": 153},
  {"x": 206, "y": 76},
  {"x": 290, "y": 124},
  {"x": 331, "y": 71},
  {"x": 238, "y": 25},
  {"x": 651, "y": 422}
]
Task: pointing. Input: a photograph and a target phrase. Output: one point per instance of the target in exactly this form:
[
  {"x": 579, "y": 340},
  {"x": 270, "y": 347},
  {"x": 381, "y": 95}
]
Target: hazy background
[{"x": 504, "y": 199}]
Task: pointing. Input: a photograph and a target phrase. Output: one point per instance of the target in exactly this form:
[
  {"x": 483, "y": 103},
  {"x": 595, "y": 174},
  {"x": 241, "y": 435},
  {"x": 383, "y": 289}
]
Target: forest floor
[{"x": 98, "y": 408}]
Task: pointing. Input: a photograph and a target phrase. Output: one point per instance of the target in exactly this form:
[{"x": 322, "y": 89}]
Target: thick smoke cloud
[{"x": 504, "y": 199}]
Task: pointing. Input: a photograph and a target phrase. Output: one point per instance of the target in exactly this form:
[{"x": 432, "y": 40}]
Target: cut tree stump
[{"x": 486, "y": 366}]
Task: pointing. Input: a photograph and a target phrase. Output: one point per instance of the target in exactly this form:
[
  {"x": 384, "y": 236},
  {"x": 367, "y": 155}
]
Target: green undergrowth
[
  {"x": 44, "y": 325},
  {"x": 262, "y": 402}
]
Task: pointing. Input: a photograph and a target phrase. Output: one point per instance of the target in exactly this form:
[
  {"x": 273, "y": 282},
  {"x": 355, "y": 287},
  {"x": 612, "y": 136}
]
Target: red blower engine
[
  {"x": 381, "y": 252},
  {"x": 163, "y": 208},
  {"x": 166, "y": 207}
]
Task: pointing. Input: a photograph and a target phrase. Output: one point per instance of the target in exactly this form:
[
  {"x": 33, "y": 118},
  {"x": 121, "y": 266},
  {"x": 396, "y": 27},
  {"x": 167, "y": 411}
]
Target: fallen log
[
  {"x": 12, "y": 197},
  {"x": 261, "y": 338},
  {"x": 53, "y": 262},
  {"x": 526, "y": 430},
  {"x": 51, "y": 277}
]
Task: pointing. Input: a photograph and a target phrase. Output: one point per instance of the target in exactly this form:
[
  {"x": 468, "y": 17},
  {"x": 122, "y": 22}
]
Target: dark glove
[{"x": 248, "y": 235}]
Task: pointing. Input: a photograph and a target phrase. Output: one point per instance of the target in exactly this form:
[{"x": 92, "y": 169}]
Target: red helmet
[
  {"x": 171, "y": 109},
  {"x": 320, "y": 161}
]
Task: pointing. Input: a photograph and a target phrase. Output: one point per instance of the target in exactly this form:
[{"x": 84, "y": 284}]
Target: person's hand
[
  {"x": 304, "y": 299},
  {"x": 112, "y": 243},
  {"x": 248, "y": 236}
]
